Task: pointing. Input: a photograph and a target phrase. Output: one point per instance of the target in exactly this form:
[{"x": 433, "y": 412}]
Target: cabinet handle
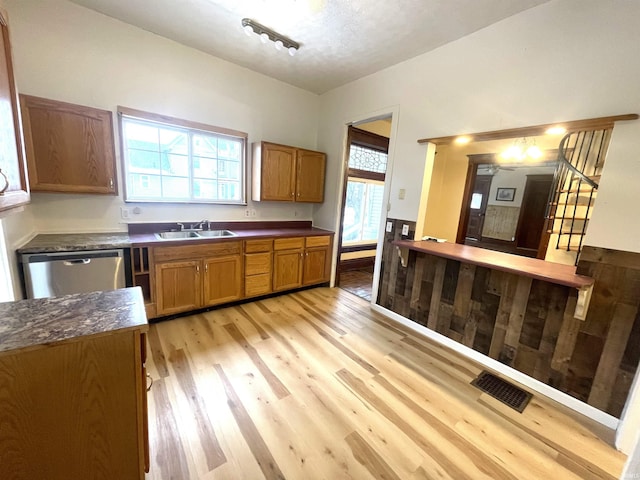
[
  {"x": 298, "y": 193},
  {"x": 149, "y": 385},
  {"x": 197, "y": 268},
  {"x": 206, "y": 268},
  {"x": 291, "y": 194},
  {"x": 111, "y": 183}
]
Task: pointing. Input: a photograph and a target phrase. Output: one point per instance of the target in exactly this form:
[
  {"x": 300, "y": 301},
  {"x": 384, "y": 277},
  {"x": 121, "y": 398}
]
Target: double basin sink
[{"x": 194, "y": 234}]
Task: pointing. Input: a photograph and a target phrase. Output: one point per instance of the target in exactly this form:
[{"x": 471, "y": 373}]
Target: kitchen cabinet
[
  {"x": 287, "y": 174},
  {"x": 258, "y": 261},
  {"x": 69, "y": 148},
  {"x": 301, "y": 261},
  {"x": 74, "y": 387},
  {"x": 189, "y": 277},
  {"x": 317, "y": 260},
  {"x": 14, "y": 187}
]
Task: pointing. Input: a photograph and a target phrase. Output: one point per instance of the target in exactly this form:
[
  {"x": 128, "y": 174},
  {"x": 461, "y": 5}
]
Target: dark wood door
[
  {"x": 478, "y": 207},
  {"x": 531, "y": 222}
]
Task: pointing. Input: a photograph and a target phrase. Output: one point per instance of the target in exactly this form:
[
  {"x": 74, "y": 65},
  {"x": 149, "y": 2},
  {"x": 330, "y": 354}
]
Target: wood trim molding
[
  {"x": 532, "y": 131},
  {"x": 165, "y": 119}
]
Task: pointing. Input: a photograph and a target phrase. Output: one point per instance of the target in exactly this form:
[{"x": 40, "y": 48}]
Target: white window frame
[{"x": 190, "y": 128}]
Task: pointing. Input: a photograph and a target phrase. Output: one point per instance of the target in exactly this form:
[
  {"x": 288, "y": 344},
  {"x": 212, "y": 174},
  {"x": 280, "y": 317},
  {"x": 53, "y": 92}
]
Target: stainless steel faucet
[{"x": 200, "y": 225}]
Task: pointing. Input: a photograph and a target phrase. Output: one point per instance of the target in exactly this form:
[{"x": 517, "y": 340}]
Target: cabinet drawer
[
  {"x": 257, "y": 285},
  {"x": 257, "y": 263},
  {"x": 252, "y": 246},
  {"x": 178, "y": 252},
  {"x": 288, "y": 243},
  {"x": 318, "y": 241}
]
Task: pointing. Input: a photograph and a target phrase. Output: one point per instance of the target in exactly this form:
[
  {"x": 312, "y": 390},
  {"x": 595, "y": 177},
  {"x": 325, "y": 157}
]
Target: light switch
[
  {"x": 405, "y": 229},
  {"x": 389, "y": 226},
  {"x": 401, "y": 193}
]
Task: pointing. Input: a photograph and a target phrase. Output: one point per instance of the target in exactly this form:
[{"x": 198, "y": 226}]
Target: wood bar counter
[{"x": 519, "y": 311}]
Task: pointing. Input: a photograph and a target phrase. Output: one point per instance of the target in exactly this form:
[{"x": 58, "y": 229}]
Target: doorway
[
  {"x": 362, "y": 205},
  {"x": 504, "y": 204}
]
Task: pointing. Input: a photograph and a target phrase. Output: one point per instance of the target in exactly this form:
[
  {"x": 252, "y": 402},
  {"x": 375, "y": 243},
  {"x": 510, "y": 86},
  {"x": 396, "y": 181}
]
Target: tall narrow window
[{"x": 172, "y": 160}]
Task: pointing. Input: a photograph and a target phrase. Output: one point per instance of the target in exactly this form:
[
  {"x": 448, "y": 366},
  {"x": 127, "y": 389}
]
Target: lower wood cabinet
[
  {"x": 197, "y": 276},
  {"x": 76, "y": 409},
  {"x": 190, "y": 277}
]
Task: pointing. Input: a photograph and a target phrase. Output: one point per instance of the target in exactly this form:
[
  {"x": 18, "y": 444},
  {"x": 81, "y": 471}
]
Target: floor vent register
[{"x": 507, "y": 393}]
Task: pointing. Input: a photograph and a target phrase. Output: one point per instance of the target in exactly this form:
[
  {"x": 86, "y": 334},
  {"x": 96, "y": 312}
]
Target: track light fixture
[{"x": 267, "y": 34}]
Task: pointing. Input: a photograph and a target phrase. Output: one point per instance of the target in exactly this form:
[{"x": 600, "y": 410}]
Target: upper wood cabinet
[
  {"x": 287, "y": 174},
  {"x": 69, "y": 147},
  {"x": 12, "y": 161}
]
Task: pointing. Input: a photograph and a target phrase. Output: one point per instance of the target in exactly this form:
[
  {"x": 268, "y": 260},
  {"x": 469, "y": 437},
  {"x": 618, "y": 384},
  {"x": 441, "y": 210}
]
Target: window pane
[
  {"x": 205, "y": 167},
  {"x": 229, "y": 149},
  {"x": 144, "y": 186},
  {"x": 228, "y": 170},
  {"x": 173, "y": 141},
  {"x": 140, "y": 136},
  {"x": 175, "y": 187},
  {"x": 143, "y": 161},
  {"x": 205, "y": 146},
  {"x": 476, "y": 201},
  {"x": 229, "y": 190},
  {"x": 362, "y": 158},
  {"x": 373, "y": 211},
  {"x": 353, "y": 211},
  {"x": 176, "y": 165},
  {"x": 205, "y": 189}
]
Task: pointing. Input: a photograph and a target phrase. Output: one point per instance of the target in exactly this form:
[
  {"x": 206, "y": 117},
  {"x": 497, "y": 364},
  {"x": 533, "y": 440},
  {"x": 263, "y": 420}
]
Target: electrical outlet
[
  {"x": 405, "y": 229},
  {"x": 401, "y": 193},
  {"x": 247, "y": 213},
  {"x": 389, "y": 226}
]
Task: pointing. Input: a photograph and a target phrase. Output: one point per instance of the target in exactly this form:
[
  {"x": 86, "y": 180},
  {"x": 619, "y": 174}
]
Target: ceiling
[{"x": 341, "y": 40}]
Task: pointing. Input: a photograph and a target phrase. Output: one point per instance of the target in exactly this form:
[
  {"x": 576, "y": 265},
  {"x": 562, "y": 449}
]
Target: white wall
[
  {"x": 563, "y": 60},
  {"x": 16, "y": 227},
  {"x": 66, "y": 52}
]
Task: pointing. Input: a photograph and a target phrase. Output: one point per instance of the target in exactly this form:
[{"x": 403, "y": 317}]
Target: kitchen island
[{"x": 73, "y": 385}]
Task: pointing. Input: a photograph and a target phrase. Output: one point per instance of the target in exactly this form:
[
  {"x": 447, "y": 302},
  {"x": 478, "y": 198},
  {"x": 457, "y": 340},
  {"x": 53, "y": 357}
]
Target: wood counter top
[{"x": 530, "y": 267}]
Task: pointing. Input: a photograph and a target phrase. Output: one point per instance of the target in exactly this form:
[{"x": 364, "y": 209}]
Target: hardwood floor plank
[
  {"x": 157, "y": 352},
  {"x": 263, "y": 334},
  {"x": 166, "y": 449},
  {"x": 267, "y": 463},
  {"x": 449, "y": 464},
  {"x": 210, "y": 445},
  {"x": 368, "y": 457},
  {"x": 274, "y": 382}
]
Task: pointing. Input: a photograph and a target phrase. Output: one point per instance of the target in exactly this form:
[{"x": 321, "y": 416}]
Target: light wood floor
[{"x": 313, "y": 385}]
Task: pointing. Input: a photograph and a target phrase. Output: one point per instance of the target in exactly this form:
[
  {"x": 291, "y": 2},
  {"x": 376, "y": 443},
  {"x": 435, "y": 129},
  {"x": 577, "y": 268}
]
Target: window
[
  {"x": 172, "y": 160},
  {"x": 362, "y": 211}
]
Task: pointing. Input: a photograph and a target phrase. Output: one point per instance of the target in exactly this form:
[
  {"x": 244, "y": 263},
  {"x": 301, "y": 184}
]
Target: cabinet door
[
  {"x": 222, "y": 279},
  {"x": 12, "y": 162},
  {"x": 315, "y": 265},
  {"x": 69, "y": 147},
  {"x": 310, "y": 176},
  {"x": 287, "y": 269},
  {"x": 178, "y": 287},
  {"x": 278, "y": 172}
]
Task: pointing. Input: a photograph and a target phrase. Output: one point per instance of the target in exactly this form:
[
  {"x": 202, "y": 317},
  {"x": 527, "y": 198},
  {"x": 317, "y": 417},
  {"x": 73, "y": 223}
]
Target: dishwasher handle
[{"x": 79, "y": 261}]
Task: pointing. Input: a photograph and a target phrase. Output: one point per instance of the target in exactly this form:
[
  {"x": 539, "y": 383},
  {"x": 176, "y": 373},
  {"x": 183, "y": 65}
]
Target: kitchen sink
[
  {"x": 216, "y": 233},
  {"x": 192, "y": 235},
  {"x": 176, "y": 235}
]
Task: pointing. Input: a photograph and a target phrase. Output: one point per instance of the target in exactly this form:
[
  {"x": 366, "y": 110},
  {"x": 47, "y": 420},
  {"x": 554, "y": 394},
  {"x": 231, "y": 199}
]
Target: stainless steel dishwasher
[{"x": 61, "y": 273}]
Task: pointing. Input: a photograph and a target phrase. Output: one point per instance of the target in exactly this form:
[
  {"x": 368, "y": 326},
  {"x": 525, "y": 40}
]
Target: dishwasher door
[{"x": 55, "y": 274}]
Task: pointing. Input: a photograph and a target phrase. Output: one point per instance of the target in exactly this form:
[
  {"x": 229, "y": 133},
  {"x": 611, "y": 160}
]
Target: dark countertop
[
  {"x": 41, "y": 322},
  {"x": 68, "y": 242},
  {"x": 530, "y": 267},
  {"x": 149, "y": 239}
]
